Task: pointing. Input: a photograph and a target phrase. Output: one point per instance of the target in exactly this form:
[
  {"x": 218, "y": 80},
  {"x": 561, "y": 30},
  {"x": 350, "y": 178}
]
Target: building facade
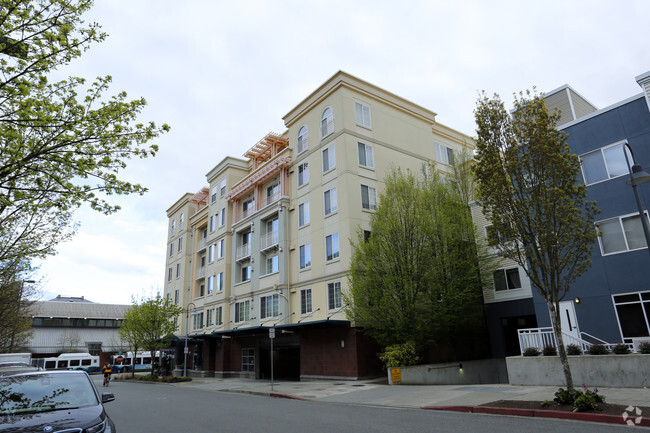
[
  {"x": 269, "y": 237},
  {"x": 610, "y": 303}
]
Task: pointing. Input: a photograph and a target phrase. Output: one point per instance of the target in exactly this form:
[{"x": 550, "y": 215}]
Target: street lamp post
[
  {"x": 187, "y": 331},
  {"x": 638, "y": 176}
]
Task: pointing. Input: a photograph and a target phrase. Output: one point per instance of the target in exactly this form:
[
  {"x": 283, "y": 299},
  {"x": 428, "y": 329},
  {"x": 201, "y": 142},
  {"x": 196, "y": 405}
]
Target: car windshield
[{"x": 45, "y": 392}]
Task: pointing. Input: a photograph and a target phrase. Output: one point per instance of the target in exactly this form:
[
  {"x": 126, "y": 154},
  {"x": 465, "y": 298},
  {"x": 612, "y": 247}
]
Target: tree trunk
[{"x": 557, "y": 331}]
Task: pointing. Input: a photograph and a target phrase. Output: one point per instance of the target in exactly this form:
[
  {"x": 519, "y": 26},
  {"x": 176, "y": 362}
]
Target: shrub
[
  {"x": 581, "y": 401},
  {"x": 598, "y": 349},
  {"x": 549, "y": 350},
  {"x": 573, "y": 349},
  {"x": 584, "y": 403},
  {"x": 565, "y": 397},
  {"x": 546, "y": 403},
  {"x": 399, "y": 355},
  {"x": 531, "y": 351},
  {"x": 644, "y": 348},
  {"x": 621, "y": 349}
]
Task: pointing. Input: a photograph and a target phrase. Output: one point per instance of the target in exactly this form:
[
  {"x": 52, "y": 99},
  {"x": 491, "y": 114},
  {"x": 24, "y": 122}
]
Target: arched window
[
  {"x": 327, "y": 122},
  {"x": 303, "y": 137}
]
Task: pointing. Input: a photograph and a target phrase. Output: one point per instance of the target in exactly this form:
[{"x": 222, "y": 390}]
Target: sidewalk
[{"x": 450, "y": 397}]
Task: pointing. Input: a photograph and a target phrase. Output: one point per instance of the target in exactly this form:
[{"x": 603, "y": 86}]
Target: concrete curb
[
  {"x": 538, "y": 413},
  {"x": 287, "y": 396}
]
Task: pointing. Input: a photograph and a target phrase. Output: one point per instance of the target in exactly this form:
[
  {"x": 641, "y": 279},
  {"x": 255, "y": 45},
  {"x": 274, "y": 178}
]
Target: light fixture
[
  {"x": 576, "y": 300},
  {"x": 460, "y": 367},
  {"x": 638, "y": 176}
]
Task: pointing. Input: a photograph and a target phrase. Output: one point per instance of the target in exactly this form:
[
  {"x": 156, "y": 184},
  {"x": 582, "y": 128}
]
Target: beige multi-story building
[{"x": 265, "y": 247}]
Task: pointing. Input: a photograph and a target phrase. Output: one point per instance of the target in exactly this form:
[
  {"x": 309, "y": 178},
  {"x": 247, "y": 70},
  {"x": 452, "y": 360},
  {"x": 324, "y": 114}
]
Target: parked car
[
  {"x": 10, "y": 368},
  {"x": 51, "y": 401}
]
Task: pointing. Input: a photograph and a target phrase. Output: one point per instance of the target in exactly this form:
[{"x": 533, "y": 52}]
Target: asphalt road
[{"x": 142, "y": 407}]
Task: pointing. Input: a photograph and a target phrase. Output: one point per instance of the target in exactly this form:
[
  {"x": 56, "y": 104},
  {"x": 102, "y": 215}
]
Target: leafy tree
[
  {"x": 16, "y": 292},
  {"x": 146, "y": 325},
  {"x": 417, "y": 278},
  {"x": 527, "y": 185},
  {"x": 63, "y": 143}
]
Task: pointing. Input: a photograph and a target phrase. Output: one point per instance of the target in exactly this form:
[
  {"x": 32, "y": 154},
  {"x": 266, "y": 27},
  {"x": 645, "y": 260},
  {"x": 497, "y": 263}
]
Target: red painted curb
[
  {"x": 578, "y": 416},
  {"x": 290, "y": 397}
]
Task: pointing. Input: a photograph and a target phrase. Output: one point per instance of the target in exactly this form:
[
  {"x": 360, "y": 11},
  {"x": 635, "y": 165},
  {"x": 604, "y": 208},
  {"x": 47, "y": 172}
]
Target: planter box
[{"x": 626, "y": 371}]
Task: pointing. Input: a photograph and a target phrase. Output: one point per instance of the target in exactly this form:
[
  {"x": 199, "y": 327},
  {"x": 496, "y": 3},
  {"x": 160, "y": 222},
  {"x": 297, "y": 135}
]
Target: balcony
[
  {"x": 270, "y": 200},
  {"x": 243, "y": 252},
  {"x": 201, "y": 245},
  {"x": 200, "y": 273},
  {"x": 269, "y": 240}
]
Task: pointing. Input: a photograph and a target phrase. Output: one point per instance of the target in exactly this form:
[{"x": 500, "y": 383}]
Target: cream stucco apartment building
[{"x": 265, "y": 245}]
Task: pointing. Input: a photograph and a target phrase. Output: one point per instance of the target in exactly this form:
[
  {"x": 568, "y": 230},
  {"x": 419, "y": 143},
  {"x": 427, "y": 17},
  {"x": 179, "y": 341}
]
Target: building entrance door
[{"x": 568, "y": 318}]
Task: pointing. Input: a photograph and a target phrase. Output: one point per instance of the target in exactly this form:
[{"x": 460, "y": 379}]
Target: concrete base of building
[
  {"x": 481, "y": 371},
  {"x": 622, "y": 371}
]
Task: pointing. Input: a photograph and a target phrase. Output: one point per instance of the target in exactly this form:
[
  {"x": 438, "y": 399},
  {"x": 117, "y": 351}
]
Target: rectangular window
[
  {"x": 248, "y": 206},
  {"x": 362, "y": 113},
  {"x": 272, "y": 192},
  {"x": 180, "y": 244},
  {"x": 169, "y": 274},
  {"x": 198, "y": 321},
  {"x": 366, "y": 235},
  {"x": 173, "y": 226},
  {"x": 331, "y": 204},
  {"x": 329, "y": 159},
  {"x": 213, "y": 223},
  {"x": 368, "y": 197},
  {"x": 334, "y": 298},
  {"x": 171, "y": 249},
  {"x": 220, "y": 248},
  {"x": 248, "y": 359},
  {"x": 181, "y": 221},
  {"x": 624, "y": 233},
  {"x": 269, "y": 306},
  {"x": 210, "y": 284},
  {"x": 303, "y": 213},
  {"x": 366, "y": 157},
  {"x": 272, "y": 265},
  {"x": 633, "y": 312},
  {"x": 245, "y": 273},
  {"x": 222, "y": 217},
  {"x": 444, "y": 154},
  {"x": 305, "y": 301},
  {"x": 507, "y": 279},
  {"x": 303, "y": 139},
  {"x": 211, "y": 249},
  {"x": 303, "y": 173},
  {"x": 202, "y": 290},
  {"x": 219, "y": 281},
  {"x": 332, "y": 246},
  {"x": 218, "y": 316},
  {"x": 604, "y": 163},
  {"x": 213, "y": 194},
  {"x": 243, "y": 311},
  {"x": 208, "y": 317},
  {"x": 223, "y": 187},
  {"x": 178, "y": 270},
  {"x": 305, "y": 256},
  {"x": 176, "y": 294}
]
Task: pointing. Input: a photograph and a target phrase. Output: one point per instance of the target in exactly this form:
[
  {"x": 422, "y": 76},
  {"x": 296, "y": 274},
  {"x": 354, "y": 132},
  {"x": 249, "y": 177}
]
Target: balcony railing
[
  {"x": 270, "y": 199},
  {"x": 200, "y": 273},
  {"x": 539, "y": 338},
  {"x": 201, "y": 245},
  {"x": 243, "y": 251},
  {"x": 269, "y": 240}
]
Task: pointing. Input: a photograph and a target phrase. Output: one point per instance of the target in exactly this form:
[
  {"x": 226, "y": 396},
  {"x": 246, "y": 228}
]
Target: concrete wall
[
  {"x": 473, "y": 372},
  {"x": 628, "y": 371}
]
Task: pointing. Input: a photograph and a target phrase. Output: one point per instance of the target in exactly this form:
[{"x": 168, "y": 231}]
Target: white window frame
[
  {"x": 208, "y": 317},
  {"x": 362, "y": 114},
  {"x": 620, "y": 219},
  {"x": 334, "y": 296},
  {"x": 171, "y": 249},
  {"x": 332, "y": 251},
  {"x": 504, "y": 272},
  {"x": 173, "y": 226},
  {"x": 303, "y": 139},
  {"x": 248, "y": 359},
  {"x": 222, "y": 219},
  {"x": 366, "y": 152},
  {"x": 219, "y": 282},
  {"x": 243, "y": 311},
  {"x": 602, "y": 151},
  {"x": 170, "y": 274},
  {"x": 326, "y": 122},
  {"x": 181, "y": 220},
  {"x": 180, "y": 244},
  {"x": 220, "y": 248},
  {"x": 371, "y": 195},
  {"x": 248, "y": 273},
  {"x": 213, "y": 194},
  {"x": 329, "y": 158},
  {"x": 305, "y": 256},
  {"x": 222, "y": 189},
  {"x": 210, "y": 284},
  {"x": 269, "y": 303},
  {"x": 306, "y": 301},
  {"x": 213, "y": 223},
  {"x": 272, "y": 264},
  {"x": 303, "y": 174},
  {"x": 218, "y": 315},
  {"x": 330, "y": 201},
  {"x": 211, "y": 250},
  {"x": 444, "y": 154},
  {"x": 178, "y": 270},
  {"x": 303, "y": 214}
]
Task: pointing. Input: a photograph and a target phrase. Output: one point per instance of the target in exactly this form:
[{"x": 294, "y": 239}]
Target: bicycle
[{"x": 107, "y": 379}]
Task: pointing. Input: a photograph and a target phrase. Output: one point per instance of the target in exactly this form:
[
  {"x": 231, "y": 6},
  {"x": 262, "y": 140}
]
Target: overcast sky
[{"x": 222, "y": 74}]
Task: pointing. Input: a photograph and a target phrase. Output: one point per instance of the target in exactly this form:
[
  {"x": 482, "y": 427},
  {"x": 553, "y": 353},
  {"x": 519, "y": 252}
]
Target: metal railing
[
  {"x": 539, "y": 338},
  {"x": 201, "y": 245},
  {"x": 200, "y": 273},
  {"x": 243, "y": 251},
  {"x": 269, "y": 240}
]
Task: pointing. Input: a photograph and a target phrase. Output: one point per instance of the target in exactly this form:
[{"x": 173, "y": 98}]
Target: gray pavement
[{"x": 378, "y": 393}]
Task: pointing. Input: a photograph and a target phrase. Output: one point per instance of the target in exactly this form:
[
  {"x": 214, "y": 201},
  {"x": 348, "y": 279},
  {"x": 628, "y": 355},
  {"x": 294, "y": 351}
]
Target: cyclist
[{"x": 107, "y": 370}]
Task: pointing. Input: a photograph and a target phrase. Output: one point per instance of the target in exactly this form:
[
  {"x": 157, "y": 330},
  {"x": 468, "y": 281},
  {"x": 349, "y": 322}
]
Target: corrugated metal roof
[
  {"x": 81, "y": 310},
  {"x": 57, "y": 340}
]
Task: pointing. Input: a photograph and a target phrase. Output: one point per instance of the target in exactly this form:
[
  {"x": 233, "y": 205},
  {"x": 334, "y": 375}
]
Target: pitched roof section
[{"x": 83, "y": 310}]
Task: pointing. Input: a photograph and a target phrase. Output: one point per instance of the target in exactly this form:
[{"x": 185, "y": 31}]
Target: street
[{"x": 146, "y": 407}]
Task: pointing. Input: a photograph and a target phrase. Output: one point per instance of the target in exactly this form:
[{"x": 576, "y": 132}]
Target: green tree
[
  {"x": 148, "y": 324},
  {"x": 16, "y": 292},
  {"x": 62, "y": 143},
  {"x": 528, "y": 187},
  {"x": 417, "y": 278}
]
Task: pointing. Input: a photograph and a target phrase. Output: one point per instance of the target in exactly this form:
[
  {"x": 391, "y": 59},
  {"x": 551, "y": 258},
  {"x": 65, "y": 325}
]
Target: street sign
[
  {"x": 186, "y": 350},
  {"x": 119, "y": 359},
  {"x": 271, "y": 332}
]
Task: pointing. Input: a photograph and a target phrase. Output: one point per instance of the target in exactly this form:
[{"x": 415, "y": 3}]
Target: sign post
[{"x": 272, "y": 337}]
